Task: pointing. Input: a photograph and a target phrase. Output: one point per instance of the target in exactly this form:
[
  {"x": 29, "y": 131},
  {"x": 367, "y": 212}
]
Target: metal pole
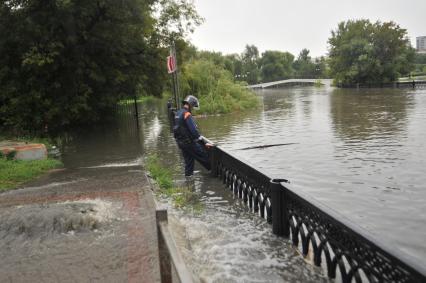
[
  {"x": 173, "y": 77},
  {"x": 176, "y": 73},
  {"x": 213, "y": 161},
  {"x": 136, "y": 111}
]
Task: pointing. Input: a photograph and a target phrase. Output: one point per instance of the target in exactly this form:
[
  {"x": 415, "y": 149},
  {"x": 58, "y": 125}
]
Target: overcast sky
[{"x": 293, "y": 25}]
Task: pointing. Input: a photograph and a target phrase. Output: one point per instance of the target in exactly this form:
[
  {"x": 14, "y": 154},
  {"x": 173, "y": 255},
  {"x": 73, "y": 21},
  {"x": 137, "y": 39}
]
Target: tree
[
  {"x": 362, "y": 52},
  {"x": 276, "y": 65},
  {"x": 250, "y": 64},
  {"x": 303, "y": 66},
  {"x": 67, "y": 62}
]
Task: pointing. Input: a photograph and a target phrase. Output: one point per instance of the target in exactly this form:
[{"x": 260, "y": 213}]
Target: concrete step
[{"x": 24, "y": 151}]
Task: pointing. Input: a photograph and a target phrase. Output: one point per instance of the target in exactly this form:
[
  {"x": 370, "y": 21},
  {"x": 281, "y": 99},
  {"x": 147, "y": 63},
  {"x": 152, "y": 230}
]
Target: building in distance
[{"x": 421, "y": 44}]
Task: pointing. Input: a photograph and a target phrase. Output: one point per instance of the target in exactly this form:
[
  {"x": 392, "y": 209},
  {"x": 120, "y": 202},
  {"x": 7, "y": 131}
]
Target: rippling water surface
[{"x": 360, "y": 152}]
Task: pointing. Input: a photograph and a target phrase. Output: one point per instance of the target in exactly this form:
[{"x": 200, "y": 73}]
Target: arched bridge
[{"x": 290, "y": 82}]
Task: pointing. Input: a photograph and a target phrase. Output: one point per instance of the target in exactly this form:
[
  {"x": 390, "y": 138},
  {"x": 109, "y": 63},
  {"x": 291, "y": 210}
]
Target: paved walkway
[{"x": 81, "y": 225}]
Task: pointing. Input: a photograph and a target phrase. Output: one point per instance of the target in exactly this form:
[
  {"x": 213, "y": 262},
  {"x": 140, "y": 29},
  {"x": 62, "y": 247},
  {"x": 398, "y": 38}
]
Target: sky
[{"x": 293, "y": 25}]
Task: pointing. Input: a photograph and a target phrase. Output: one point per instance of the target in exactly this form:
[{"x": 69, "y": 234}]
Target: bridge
[{"x": 291, "y": 82}]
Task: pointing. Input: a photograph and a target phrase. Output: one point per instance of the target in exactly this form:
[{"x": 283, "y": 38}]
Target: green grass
[
  {"x": 182, "y": 197},
  {"x": 16, "y": 172},
  {"x": 318, "y": 83},
  {"x": 140, "y": 99}
]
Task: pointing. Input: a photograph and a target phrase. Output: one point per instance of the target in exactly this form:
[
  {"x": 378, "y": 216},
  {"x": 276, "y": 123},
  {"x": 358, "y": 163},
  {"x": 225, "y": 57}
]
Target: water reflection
[
  {"x": 360, "y": 152},
  {"x": 366, "y": 114}
]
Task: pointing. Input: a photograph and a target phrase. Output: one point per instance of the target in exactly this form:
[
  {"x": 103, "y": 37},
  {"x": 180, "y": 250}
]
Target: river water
[{"x": 360, "y": 152}]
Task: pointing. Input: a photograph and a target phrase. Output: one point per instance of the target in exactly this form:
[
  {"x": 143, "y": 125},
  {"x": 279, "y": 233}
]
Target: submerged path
[{"x": 80, "y": 225}]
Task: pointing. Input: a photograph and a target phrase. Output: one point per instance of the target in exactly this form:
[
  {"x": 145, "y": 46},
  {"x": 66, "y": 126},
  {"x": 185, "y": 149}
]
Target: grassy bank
[
  {"x": 182, "y": 197},
  {"x": 216, "y": 89},
  {"x": 16, "y": 172}
]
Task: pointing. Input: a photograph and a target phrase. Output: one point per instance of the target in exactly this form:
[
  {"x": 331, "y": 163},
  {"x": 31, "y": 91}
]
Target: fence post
[
  {"x": 213, "y": 161},
  {"x": 280, "y": 225},
  {"x": 136, "y": 111},
  {"x": 164, "y": 257}
]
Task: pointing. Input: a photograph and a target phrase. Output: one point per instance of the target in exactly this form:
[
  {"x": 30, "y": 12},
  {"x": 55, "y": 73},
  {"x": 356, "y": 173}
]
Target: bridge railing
[{"x": 334, "y": 241}]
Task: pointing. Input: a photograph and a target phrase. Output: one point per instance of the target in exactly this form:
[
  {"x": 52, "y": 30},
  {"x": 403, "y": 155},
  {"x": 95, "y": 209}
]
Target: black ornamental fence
[
  {"x": 332, "y": 239},
  {"x": 335, "y": 243}
]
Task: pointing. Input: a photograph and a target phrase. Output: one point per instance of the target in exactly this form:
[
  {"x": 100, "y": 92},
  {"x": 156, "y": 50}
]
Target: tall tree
[
  {"x": 303, "y": 66},
  {"x": 67, "y": 62},
  {"x": 250, "y": 64},
  {"x": 363, "y": 52},
  {"x": 276, "y": 65}
]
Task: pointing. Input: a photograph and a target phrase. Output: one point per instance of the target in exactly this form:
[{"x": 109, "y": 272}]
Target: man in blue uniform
[{"x": 188, "y": 138}]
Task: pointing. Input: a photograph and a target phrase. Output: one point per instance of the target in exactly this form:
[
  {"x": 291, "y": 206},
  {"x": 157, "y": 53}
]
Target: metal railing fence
[{"x": 341, "y": 246}]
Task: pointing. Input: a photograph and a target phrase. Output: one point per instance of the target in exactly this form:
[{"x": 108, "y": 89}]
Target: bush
[
  {"x": 215, "y": 88},
  {"x": 11, "y": 155}
]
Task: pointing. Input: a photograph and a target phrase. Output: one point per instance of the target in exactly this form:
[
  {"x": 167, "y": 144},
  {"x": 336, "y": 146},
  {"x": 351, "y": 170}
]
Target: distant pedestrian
[{"x": 188, "y": 138}]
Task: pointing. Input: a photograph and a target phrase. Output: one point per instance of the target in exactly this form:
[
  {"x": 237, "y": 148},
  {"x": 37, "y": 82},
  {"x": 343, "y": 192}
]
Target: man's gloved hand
[{"x": 205, "y": 142}]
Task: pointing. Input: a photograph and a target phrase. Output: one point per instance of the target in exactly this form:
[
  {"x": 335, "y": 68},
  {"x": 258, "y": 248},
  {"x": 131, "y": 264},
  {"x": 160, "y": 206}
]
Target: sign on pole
[{"x": 171, "y": 64}]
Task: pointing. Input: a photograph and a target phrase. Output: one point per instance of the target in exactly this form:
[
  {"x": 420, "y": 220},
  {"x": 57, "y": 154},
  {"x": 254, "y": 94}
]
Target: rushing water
[{"x": 360, "y": 152}]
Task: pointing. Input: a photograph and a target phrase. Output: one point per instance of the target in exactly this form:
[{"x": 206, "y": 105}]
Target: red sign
[{"x": 171, "y": 64}]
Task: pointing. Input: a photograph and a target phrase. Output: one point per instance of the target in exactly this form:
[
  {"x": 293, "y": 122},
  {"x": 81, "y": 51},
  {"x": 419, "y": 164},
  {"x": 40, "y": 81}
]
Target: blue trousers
[{"x": 194, "y": 151}]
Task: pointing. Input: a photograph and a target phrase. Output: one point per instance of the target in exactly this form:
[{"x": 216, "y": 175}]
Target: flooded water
[{"x": 360, "y": 152}]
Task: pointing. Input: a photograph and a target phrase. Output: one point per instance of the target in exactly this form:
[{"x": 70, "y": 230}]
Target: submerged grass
[
  {"x": 140, "y": 99},
  {"x": 182, "y": 197},
  {"x": 16, "y": 172}
]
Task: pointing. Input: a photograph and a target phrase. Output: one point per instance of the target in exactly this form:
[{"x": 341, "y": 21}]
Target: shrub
[{"x": 215, "y": 88}]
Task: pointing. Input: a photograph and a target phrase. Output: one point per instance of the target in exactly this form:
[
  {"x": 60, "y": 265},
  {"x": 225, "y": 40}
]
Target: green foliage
[
  {"x": 318, "y": 83},
  {"x": 161, "y": 175},
  {"x": 11, "y": 155},
  {"x": 276, "y": 65},
  {"x": 363, "y": 52},
  {"x": 307, "y": 68},
  {"x": 140, "y": 99},
  {"x": 215, "y": 88},
  {"x": 420, "y": 58},
  {"x": 182, "y": 197},
  {"x": 68, "y": 62},
  {"x": 15, "y": 172},
  {"x": 251, "y": 68}
]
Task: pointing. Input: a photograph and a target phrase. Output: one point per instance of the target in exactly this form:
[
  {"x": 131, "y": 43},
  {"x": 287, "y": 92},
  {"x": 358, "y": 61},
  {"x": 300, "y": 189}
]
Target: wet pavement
[{"x": 80, "y": 225}]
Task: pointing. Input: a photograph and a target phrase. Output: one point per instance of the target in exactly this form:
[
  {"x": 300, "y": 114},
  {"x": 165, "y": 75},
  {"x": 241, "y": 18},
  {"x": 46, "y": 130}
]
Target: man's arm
[{"x": 192, "y": 127}]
